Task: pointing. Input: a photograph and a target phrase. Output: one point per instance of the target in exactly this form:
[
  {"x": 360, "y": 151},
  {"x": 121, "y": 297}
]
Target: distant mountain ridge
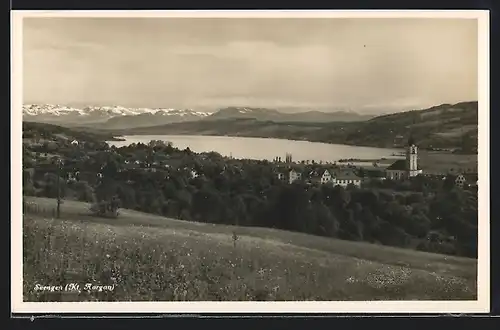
[{"x": 265, "y": 114}]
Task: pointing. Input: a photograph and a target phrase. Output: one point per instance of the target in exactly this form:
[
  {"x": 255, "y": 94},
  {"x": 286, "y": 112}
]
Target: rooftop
[
  {"x": 346, "y": 175},
  {"x": 398, "y": 165},
  {"x": 470, "y": 177}
]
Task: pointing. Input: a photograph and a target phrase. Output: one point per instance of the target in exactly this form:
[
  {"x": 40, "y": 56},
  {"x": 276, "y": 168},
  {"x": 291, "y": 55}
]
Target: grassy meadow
[
  {"x": 145, "y": 257},
  {"x": 442, "y": 162}
]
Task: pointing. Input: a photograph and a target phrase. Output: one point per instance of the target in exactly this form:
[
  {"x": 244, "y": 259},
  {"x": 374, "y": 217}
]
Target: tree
[
  {"x": 84, "y": 191},
  {"x": 240, "y": 211},
  {"x": 207, "y": 206},
  {"x": 289, "y": 207},
  {"x": 50, "y": 188},
  {"x": 127, "y": 196},
  {"x": 326, "y": 223},
  {"x": 110, "y": 169},
  {"x": 28, "y": 188}
]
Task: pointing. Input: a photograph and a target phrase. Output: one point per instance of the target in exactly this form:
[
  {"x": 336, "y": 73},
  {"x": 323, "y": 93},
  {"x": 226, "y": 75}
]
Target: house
[
  {"x": 466, "y": 180},
  {"x": 280, "y": 174},
  {"x": 289, "y": 175},
  {"x": 346, "y": 177},
  {"x": 72, "y": 177},
  {"x": 326, "y": 177},
  {"x": 321, "y": 177},
  {"x": 405, "y": 168},
  {"x": 293, "y": 176},
  {"x": 460, "y": 180}
]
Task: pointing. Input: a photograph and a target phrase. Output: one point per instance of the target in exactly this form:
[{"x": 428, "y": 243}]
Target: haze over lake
[{"x": 263, "y": 148}]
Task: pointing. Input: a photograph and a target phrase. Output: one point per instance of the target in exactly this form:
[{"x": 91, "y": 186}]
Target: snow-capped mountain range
[{"x": 108, "y": 116}]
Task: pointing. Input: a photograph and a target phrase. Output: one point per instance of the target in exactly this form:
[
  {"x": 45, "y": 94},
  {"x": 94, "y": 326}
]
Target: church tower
[{"x": 412, "y": 158}]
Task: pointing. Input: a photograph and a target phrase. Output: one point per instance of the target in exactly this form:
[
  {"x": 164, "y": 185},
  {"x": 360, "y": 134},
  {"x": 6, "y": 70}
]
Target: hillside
[
  {"x": 181, "y": 260},
  {"x": 52, "y": 131},
  {"x": 444, "y": 126}
]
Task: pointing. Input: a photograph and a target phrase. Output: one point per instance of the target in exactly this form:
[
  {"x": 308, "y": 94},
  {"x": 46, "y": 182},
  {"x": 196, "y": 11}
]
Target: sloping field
[
  {"x": 442, "y": 162},
  {"x": 147, "y": 257},
  {"x": 457, "y": 131}
]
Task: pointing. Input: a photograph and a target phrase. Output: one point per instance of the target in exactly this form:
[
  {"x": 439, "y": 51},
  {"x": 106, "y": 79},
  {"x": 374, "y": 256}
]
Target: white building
[
  {"x": 289, "y": 175},
  {"x": 346, "y": 177},
  {"x": 326, "y": 177},
  {"x": 321, "y": 177},
  {"x": 293, "y": 176}
]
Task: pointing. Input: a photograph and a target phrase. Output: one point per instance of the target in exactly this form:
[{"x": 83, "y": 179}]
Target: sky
[{"x": 361, "y": 64}]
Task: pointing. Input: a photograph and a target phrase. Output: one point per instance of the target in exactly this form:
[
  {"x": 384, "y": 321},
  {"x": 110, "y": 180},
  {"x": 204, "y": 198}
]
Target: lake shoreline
[{"x": 270, "y": 149}]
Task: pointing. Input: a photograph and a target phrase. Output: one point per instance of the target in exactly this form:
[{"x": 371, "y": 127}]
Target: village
[{"x": 347, "y": 174}]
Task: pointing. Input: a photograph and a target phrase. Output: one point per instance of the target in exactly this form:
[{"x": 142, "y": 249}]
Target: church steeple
[{"x": 411, "y": 155}]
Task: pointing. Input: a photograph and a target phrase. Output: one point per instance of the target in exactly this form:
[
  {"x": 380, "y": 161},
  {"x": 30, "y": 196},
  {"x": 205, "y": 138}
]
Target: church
[{"x": 405, "y": 168}]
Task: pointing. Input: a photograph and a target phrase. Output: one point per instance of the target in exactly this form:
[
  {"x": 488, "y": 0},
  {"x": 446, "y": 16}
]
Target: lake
[{"x": 263, "y": 148}]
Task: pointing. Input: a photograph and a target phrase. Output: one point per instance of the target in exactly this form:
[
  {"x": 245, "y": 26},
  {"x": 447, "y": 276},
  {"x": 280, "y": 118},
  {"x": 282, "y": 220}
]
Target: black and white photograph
[{"x": 318, "y": 161}]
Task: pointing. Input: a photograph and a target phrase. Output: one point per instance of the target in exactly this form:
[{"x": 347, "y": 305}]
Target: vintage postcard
[{"x": 250, "y": 161}]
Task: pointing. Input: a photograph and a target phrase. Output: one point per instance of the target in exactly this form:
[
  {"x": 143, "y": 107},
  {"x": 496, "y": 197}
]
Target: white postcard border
[{"x": 481, "y": 305}]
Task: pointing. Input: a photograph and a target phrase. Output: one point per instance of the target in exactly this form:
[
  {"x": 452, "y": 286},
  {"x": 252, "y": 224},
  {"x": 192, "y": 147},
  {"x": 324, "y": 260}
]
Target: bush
[
  {"x": 84, "y": 192},
  {"x": 107, "y": 209}
]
